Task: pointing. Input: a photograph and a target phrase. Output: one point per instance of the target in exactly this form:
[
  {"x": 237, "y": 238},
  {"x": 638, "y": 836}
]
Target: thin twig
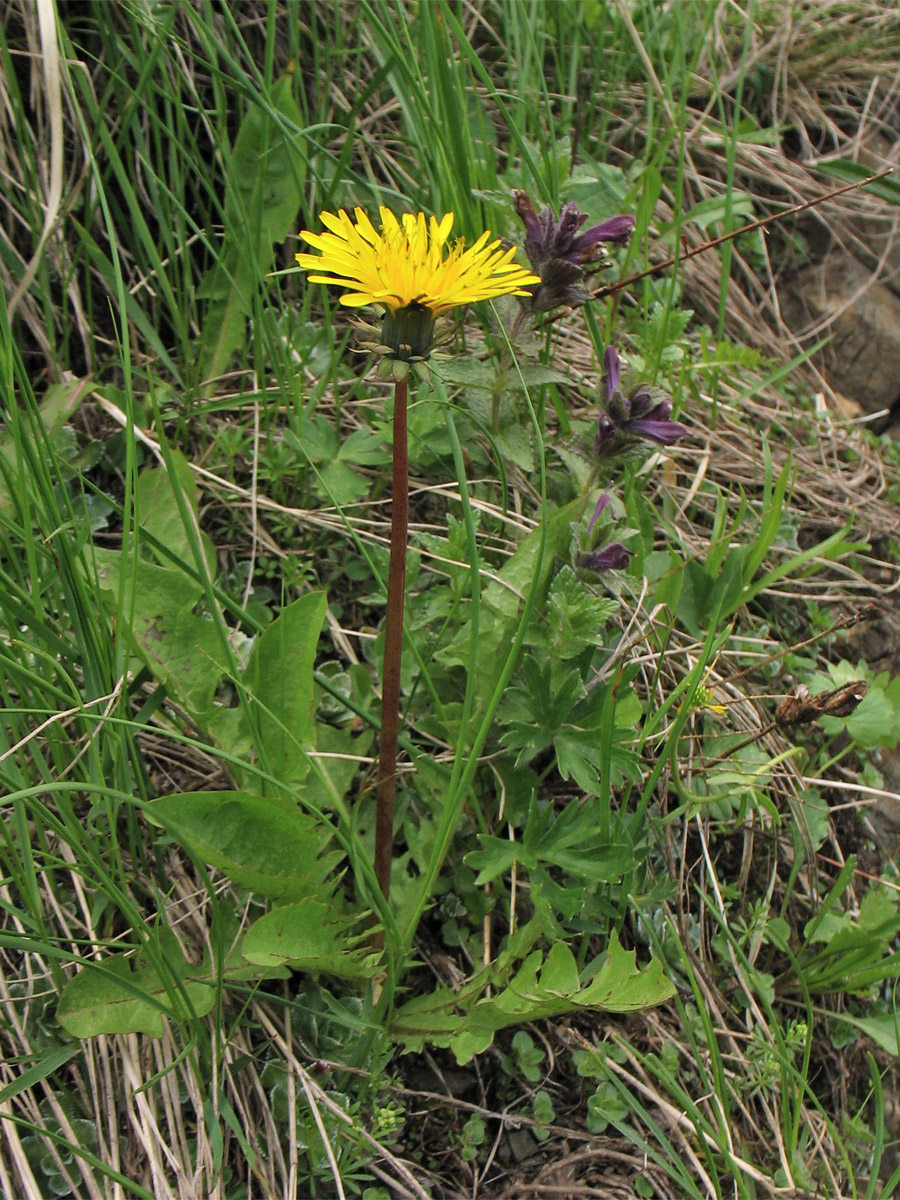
[{"x": 677, "y": 260}]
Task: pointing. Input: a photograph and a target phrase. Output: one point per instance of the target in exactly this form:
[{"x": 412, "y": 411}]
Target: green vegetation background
[{"x": 598, "y": 813}]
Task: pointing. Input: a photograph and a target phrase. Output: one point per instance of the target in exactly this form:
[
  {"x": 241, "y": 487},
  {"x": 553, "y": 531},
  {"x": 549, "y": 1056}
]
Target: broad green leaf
[
  {"x": 318, "y": 439},
  {"x": 706, "y": 212},
  {"x": 514, "y": 444},
  {"x": 227, "y": 727},
  {"x": 182, "y": 650},
  {"x": 365, "y": 447},
  {"x": 703, "y": 596},
  {"x": 504, "y": 596},
  {"x": 115, "y": 996},
  {"x": 308, "y": 936},
  {"x": 621, "y": 986},
  {"x": 466, "y": 372},
  {"x": 813, "y": 814},
  {"x": 497, "y": 857},
  {"x": 533, "y": 375},
  {"x": 469, "y": 1043},
  {"x": 666, "y": 568},
  {"x": 559, "y": 973},
  {"x": 875, "y": 722},
  {"x": 262, "y": 843},
  {"x": 882, "y": 1030},
  {"x": 337, "y": 764},
  {"x": 159, "y": 513},
  {"x": 575, "y": 617},
  {"x": 121, "y": 994},
  {"x": 599, "y": 188},
  {"x": 569, "y": 840},
  {"x": 279, "y": 676},
  {"x": 664, "y": 331},
  {"x": 341, "y": 484}
]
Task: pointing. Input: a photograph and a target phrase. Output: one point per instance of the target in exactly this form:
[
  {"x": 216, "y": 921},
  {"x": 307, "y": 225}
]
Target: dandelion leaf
[
  {"x": 120, "y": 995},
  {"x": 181, "y": 649},
  {"x": 543, "y": 987},
  {"x": 58, "y": 406},
  {"x": 126, "y": 994},
  {"x": 279, "y": 676},
  {"x": 262, "y": 843},
  {"x": 309, "y": 936},
  {"x": 161, "y": 517}
]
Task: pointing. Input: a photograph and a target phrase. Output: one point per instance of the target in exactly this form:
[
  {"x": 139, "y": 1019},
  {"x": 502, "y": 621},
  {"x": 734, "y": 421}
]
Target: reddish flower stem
[{"x": 393, "y": 647}]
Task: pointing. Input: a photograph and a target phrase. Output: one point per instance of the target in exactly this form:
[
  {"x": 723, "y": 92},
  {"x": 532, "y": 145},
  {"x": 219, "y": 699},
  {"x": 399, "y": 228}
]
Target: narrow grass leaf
[{"x": 263, "y": 195}]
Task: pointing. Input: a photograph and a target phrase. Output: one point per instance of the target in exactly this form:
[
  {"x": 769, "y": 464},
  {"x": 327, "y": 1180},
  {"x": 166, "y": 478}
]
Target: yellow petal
[{"x": 409, "y": 260}]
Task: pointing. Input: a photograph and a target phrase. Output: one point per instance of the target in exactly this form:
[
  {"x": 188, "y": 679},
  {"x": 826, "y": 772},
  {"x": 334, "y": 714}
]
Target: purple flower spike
[
  {"x": 561, "y": 255},
  {"x": 643, "y": 414},
  {"x": 614, "y": 557},
  {"x": 547, "y": 238}
]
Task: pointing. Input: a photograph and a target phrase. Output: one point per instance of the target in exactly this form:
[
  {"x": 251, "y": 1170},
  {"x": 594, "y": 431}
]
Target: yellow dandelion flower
[{"x": 411, "y": 269}]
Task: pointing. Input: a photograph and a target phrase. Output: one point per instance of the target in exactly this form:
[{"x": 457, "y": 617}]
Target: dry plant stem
[
  {"x": 393, "y": 646},
  {"x": 611, "y": 289}
]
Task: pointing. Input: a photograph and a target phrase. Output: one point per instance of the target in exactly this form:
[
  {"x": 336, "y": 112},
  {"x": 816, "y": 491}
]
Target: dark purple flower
[
  {"x": 657, "y": 425},
  {"x": 613, "y": 557},
  {"x": 546, "y": 238},
  {"x": 563, "y": 256},
  {"x": 643, "y": 414},
  {"x": 602, "y": 503},
  {"x": 613, "y": 370},
  {"x": 613, "y": 229}
]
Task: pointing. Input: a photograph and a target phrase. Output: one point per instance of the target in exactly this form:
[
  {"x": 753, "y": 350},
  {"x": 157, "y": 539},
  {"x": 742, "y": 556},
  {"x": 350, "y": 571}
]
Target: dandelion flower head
[{"x": 410, "y": 263}]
